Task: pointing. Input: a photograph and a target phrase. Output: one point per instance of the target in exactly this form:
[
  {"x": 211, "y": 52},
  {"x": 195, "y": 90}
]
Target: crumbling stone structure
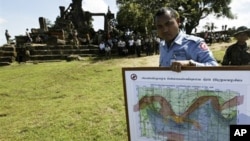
[{"x": 66, "y": 37}]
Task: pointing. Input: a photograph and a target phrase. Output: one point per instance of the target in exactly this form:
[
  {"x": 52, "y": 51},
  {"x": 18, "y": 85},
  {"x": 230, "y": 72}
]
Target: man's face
[
  {"x": 167, "y": 27},
  {"x": 242, "y": 37}
]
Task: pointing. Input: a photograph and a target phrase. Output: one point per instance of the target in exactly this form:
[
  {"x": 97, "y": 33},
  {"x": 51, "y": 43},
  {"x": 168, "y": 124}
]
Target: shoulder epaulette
[{"x": 194, "y": 38}]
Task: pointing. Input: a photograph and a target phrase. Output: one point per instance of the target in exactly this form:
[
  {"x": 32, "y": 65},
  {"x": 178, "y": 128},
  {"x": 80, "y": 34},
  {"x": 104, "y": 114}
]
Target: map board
[{"x": 197, "y": 104}]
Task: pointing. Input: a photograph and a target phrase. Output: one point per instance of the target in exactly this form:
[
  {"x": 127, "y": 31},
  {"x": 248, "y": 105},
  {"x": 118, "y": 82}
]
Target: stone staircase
[
  {"x": 58, "y": 52},
  {"x": 7, "y": 54},
  {"x": 44, "y": 53}
]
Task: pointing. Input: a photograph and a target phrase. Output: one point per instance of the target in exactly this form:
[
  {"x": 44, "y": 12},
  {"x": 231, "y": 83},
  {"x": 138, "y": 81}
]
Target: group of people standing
[
  {"x": 133, "y": 45},
  {"x": 137, "y": 45},
  {"x": 178, "y": 49}
]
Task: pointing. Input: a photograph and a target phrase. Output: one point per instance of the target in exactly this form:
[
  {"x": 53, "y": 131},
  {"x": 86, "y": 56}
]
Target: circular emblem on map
[{"x": 133, "y": 76}]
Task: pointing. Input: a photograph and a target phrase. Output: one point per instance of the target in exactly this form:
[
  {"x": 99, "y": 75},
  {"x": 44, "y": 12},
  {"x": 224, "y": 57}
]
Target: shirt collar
[{"x": 178, "y": 39}]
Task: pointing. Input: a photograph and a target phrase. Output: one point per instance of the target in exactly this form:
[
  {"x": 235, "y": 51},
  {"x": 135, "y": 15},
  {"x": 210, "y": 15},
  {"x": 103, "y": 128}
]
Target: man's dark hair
[{"x": 167, "y": 10}]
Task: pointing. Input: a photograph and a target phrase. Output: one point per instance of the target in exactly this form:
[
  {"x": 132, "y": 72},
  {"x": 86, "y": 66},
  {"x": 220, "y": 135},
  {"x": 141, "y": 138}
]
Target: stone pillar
[
  {"x": 43, "y": 25},
  {"x": 62, "y": 11}
]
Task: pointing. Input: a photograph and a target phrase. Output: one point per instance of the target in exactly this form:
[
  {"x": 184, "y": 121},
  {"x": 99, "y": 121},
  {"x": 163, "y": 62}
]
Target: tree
[
  {"x": 127, "y": 16},
  {"x": 195, "y": 10},
  {"x": 137, "y": 15},
  {"x": 49, "y": 23},
  {"x": 210, "y": 26},
  {"x": 191, "y": 11}
]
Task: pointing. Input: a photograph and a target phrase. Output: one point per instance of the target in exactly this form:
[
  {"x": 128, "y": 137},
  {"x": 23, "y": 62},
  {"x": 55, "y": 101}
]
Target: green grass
[
  {"x": 78, "y": 101},
  {"x": 218, "y": 55},
  {"x": 62, "y": 101}
]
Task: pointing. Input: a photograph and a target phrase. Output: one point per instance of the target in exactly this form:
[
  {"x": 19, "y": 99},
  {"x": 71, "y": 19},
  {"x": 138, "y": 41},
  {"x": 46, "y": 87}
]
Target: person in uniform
[
  {"x": 178, "y": 49},
  {"x": 238, "y": 53}
]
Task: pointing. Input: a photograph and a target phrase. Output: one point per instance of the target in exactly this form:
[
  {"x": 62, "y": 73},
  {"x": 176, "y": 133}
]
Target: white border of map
[{"x": 222, "y": 80}]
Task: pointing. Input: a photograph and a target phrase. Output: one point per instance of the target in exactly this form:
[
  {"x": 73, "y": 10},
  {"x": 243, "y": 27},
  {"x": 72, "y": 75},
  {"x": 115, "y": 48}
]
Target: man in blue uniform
[
  {"x": 238, "y": 53},
  {"x": 177, "y": 48}
]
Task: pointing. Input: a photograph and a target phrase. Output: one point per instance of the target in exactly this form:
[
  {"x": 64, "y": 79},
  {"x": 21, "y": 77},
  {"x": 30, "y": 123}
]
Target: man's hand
[{"x": 176, "y": 65}]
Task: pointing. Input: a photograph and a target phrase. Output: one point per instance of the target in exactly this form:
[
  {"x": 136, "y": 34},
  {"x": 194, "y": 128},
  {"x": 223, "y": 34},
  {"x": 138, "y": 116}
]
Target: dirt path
[{"x": 145, "y": 61}]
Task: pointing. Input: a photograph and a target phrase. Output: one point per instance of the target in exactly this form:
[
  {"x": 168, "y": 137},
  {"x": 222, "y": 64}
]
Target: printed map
[{"x": 185, "y": 113}]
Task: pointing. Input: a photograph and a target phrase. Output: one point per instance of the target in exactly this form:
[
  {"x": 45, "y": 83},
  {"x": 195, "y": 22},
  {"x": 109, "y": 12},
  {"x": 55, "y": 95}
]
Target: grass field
[{"x": 62, "y": 101}]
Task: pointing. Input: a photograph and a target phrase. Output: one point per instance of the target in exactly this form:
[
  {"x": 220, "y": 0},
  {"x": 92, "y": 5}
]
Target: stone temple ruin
[{"x": 72, "y": 34}]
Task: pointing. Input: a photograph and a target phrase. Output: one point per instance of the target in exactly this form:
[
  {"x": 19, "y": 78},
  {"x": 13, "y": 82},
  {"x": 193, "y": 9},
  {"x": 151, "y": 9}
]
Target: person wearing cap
[
  {"x": 239, "y": 52},
  {"x": 178, "y": 49}
]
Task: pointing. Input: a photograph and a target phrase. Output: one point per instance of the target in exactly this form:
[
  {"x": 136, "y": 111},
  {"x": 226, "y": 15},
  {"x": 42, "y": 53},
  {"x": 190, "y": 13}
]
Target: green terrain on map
[{"x": 180, "y": 98}]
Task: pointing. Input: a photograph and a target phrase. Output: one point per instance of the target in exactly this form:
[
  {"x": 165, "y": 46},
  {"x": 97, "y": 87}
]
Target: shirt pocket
[{"x": 180, "y": 55}]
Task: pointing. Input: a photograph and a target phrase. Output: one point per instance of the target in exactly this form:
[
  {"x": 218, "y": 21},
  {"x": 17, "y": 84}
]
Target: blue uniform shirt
[{"x": 186, "y": 47}]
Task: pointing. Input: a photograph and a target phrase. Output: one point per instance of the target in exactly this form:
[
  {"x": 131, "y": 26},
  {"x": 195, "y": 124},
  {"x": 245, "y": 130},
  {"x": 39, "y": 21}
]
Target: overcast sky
[
  {"x": 240, "y": 8},
  {"x": 17, "y": 15}
]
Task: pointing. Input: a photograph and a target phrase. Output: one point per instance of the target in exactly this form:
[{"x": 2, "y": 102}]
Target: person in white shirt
[
  {"x": 102, "y": 47},
  {"x": 131, "y": 48},
  {"x": 122, "y": 50},
  {"x": 138, "y": 47},
  {"x": 29, "y": 39}
]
